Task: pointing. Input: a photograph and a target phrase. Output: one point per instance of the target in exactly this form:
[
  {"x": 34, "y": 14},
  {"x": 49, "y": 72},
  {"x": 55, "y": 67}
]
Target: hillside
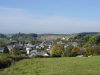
[
  {"x": 54, "y": 36},
  {"x": 55, "y": 66}
]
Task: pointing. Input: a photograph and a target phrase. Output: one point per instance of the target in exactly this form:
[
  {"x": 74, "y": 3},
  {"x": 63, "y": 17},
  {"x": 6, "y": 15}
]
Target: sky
[{"x": 49, "y": 16}]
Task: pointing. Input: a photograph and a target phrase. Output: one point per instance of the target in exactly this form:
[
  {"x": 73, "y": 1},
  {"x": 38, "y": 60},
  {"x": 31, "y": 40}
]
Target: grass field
[{"x": 55, "y": 66}]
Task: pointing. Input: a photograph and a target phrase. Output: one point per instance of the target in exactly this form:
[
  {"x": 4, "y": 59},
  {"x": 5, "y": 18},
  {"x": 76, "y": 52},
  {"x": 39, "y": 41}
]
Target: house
[
  {"x": 47, "y": 43},
  {"x": 46, "y": 54},
  {"x": 66, "y": 45},
  {"x": 18, "y": 46},
  {"x": 60, "y": 42},
  {"x": 50, "y": 46},
  {"x": 67, "y": 38},
  {"x": 28, "y": 50},
  {"x": 63, "y": 38},
  {"x": 38, "y": 47},
  {"x": 42, "y": 46},
  {"x": 32, "y": 53},
  {"x": 80, "y": 56},
  {"x": 74, "y": 44},
  {"x": 47, "y": 49},
  {"x": 10, "y": 47},
  {"x": 29, "y": 45}
]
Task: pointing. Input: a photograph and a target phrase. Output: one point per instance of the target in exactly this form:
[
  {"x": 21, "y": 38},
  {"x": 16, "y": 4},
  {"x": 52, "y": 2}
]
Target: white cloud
[{"x": 20, "y": 21}]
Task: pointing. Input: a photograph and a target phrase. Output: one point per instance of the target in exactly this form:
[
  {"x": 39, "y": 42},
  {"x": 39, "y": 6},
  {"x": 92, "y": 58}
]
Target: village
[
  {"x": 30, "y": 45},
  {"x": 41, "y": 49}
]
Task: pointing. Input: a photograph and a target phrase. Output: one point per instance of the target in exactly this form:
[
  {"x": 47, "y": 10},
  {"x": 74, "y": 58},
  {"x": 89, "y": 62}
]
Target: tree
[
  {"x": 6, "y": 50},
  {"x": 98, "y": 39},
  {"x": 85, "y": 38},
  {"x": 68, "y": 51},
  {"x": 16, "y": 52},
  {"x": 93, "y": 40},
  {"x": 2, "y": 43},
  {"x": 94, "y": 50},
  {"x": 57, "y": 50},
  {"x": 75, "y": 51},
  {"x": 88, "y": 51}
]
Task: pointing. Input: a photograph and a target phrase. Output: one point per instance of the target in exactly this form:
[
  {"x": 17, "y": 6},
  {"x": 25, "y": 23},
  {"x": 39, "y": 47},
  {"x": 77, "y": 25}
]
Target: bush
[{"x": 5, "y": 61}]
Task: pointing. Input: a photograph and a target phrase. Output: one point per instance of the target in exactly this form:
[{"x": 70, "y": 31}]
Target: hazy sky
[{"x": 49, "y": 16}]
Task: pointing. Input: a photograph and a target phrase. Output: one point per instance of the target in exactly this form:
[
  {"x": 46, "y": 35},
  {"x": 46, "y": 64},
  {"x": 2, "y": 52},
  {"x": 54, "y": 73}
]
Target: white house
[
  {"x": 28, "y": 50},
  {"x": 45, "y": 54},
  {"x": 63, "y": 38}
]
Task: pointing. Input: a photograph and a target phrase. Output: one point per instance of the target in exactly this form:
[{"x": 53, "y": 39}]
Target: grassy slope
[{"x": 55, "y": 66}]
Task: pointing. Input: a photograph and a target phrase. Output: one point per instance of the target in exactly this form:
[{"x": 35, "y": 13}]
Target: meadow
[{"x": 55, "y": 66}]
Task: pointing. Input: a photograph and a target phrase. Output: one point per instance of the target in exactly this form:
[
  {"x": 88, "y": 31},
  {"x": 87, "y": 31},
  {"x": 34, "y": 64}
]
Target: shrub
[{"x": 5, "y": 60}]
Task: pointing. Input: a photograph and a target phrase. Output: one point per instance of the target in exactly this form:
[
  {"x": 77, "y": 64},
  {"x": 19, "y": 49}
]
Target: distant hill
[
  {"x": 23, "y": 36},
  {"x": 88, "y": 33}
]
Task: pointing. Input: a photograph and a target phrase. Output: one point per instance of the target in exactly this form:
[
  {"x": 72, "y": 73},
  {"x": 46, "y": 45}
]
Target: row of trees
[
  {"x": 58, "y": 50},
  {"x": 88, "y": 45}
]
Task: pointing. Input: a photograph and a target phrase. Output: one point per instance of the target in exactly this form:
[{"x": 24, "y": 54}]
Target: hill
[{"x": 55, "y": 66}]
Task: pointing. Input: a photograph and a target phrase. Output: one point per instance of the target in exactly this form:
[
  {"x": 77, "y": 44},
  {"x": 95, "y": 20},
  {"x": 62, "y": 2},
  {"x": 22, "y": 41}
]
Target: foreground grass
[{"x": 55, "y": 66}]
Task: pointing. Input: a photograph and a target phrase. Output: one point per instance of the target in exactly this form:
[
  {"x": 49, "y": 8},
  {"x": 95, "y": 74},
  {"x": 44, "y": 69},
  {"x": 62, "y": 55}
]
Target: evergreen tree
[{"x": 6, "y": 50}]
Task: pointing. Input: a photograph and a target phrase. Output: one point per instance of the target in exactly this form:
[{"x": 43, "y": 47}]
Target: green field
[{"x": 55, "y": 66}]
